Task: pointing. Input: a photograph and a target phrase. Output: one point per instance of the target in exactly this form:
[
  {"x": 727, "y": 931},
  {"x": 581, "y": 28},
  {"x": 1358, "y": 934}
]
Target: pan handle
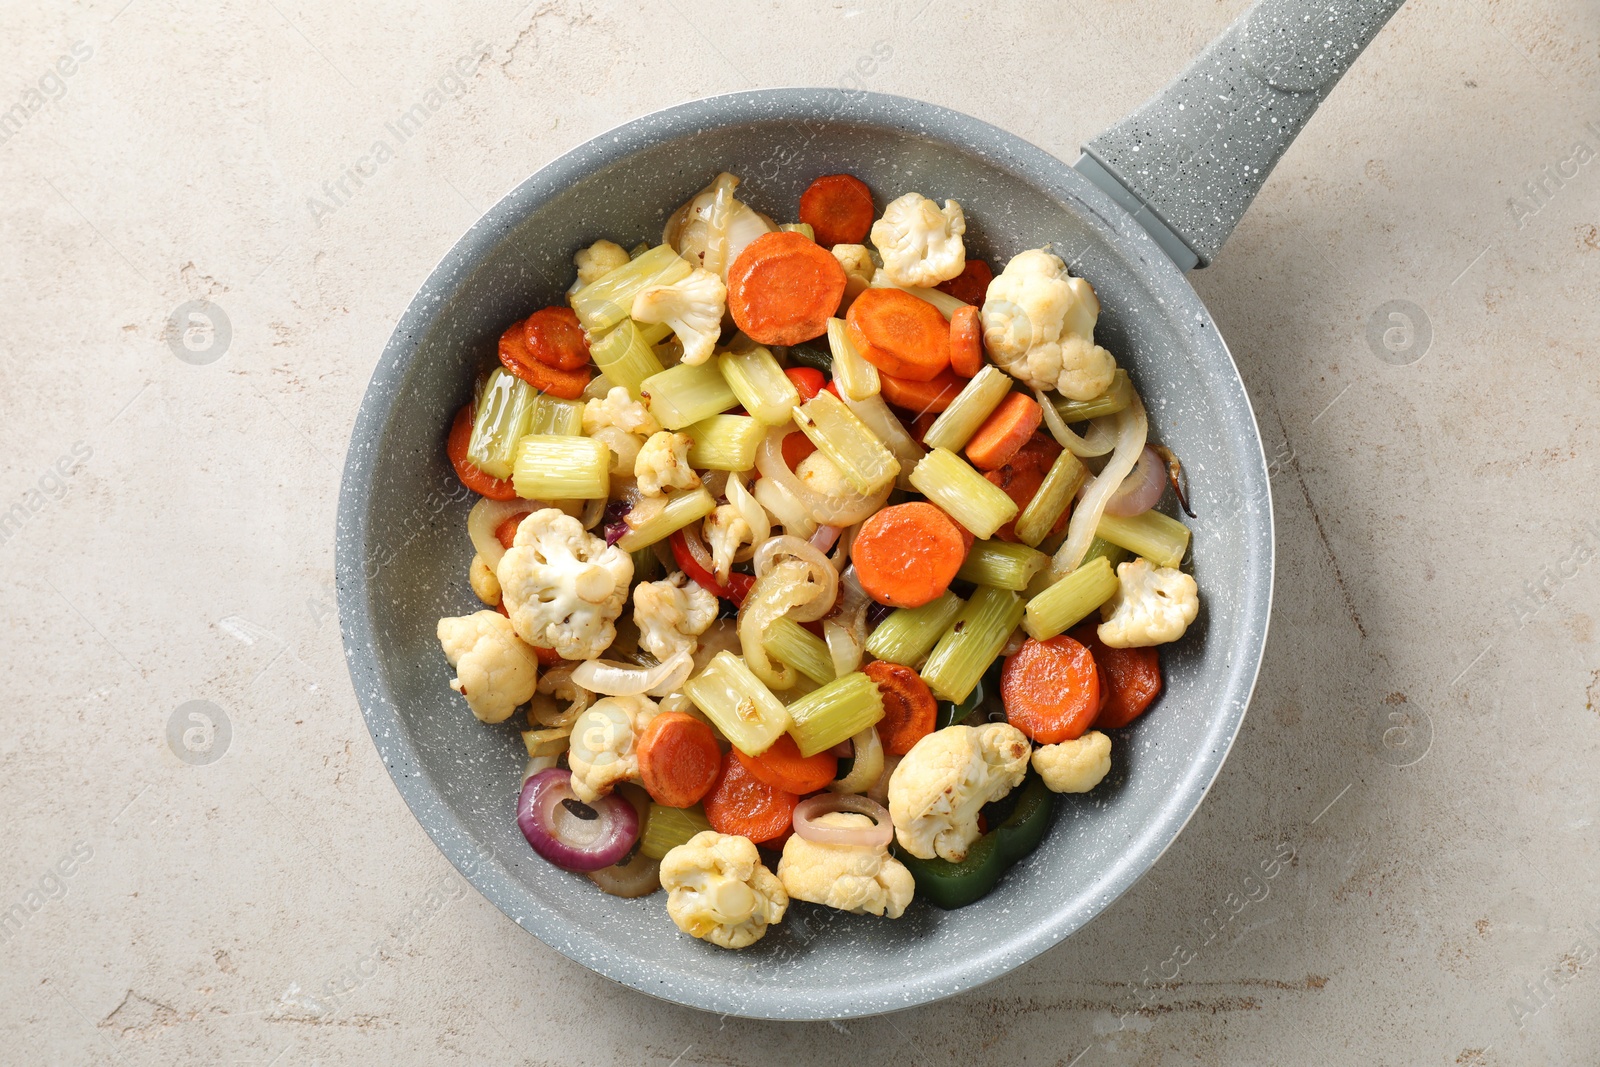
[{"x": 1188, "y": 162}]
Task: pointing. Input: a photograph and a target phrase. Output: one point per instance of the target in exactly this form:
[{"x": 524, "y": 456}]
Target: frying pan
[{"x": 1152, "y": 197}]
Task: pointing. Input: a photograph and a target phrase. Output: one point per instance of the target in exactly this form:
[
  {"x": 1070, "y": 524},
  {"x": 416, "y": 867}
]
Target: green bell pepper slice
[{"x": 955, "y": 885}]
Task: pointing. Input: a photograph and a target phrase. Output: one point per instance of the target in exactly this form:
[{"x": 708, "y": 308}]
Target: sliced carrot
[
  {"x": 909, "y": 711},
  {"x": 783, "y": 288},
  {"x": 808, "y": 381},
  {"x": 739, "y": 803},
  {"x": 1004, "y": 432},
  {"x": 1022, "y": 477},
  {"x": 838, "y": 208},
  {"x": 1051, "y": 689},
  {"x": 907, "y": 555},
  {"x": 796, "y": 447},
  {"x": 900, "y": 334},
  {"x": 1130, "y": 678},
  {"x": 966, "y": 342},
  {"x": 506, "y": 532},
  {"x": 782, "y": 767},
  {"x": 548, "y": 657},
  {"x": 679, "y": 760},
  {"x": 471, "y": 476},
  {"x": 971, "y": 284},
  {"x": 922, "y": 424},
  {"x": 556, "y": 339},
  {"x": 518, "y": 358},
  {"x": 921, "y": 397}
]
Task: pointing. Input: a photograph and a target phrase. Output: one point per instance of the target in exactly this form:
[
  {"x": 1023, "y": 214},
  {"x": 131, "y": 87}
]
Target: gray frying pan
[{"x": 1151, "y": 198}]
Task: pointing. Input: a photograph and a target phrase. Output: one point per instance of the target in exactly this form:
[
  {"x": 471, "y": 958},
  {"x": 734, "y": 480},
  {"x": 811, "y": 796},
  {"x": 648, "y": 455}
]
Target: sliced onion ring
[
  {"x": 820, "y": 573},
  {"x": 1141, "y": 490},
  {"x": 574, "y": 836},
  {"x": 1097, "y": 443},
  {"x": 868, "y": 765},
  {"x": 485, "y": 517},
  {"x": 621, "y": 680},
  {"x": 1132, "y": 427},
  {"x": 845, "y": 509},
  {"x": 825, "y": 536},
  {"x": 809, "y": 810}
]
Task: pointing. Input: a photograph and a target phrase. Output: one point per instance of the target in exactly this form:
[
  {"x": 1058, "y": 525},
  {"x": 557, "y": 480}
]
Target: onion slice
[
  {"x": 620, "y": 680},
  {"x": 639, "y": 877},
  {"x": 1141, "y": 490},
  {"x": 485, "y": 517},
  {"x": 868, "y": 766},
  {"x": 877, "y": 835},
  {"x": 843, "y": 647},
  {"x": 569, "y": 833},
  {"x": 1132, "y": 428},
  {"x": 1098, "y": 443},
  {"x": 846, "y": 509},
  {"x": 820, "y": 573}
]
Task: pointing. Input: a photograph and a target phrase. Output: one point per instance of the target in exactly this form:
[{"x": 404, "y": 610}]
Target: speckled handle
[{"x": 1190, "y": 160}]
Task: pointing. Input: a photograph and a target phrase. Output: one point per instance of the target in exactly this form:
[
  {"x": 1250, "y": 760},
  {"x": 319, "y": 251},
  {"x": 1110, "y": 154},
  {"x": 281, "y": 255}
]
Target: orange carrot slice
[{"x": 783, "y": 288}]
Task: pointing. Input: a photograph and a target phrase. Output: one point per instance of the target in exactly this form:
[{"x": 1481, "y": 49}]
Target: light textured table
[{"x": 1419, "y": 764}]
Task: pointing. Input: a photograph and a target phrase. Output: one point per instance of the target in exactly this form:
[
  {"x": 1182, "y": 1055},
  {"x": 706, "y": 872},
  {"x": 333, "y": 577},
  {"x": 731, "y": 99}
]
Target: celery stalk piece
[
  {"x": 791, "y": 643},
  {"x": 552, "y": 415},
  {"x": 947, "y": 304},
  {"x": 725, "y": 443},
  {"x": 505, "y": 408},
  {"x": 971, "y": 499},
  {"x": 908, "y": 634},
  {"x": 877, "y": 417},
  {"x": 683, "y": 395},
  {"x": 757, "y": 379},
  {"x": 639, "y": 249},
  {"x": 800, "y": 228},
  {"x": 861, "y": 456},
  {"x": 1068, "y": 602},
  {"x": 682, "y": 508},
  {"x": 738, "y": 703},
  {"x": 857, "y": 378},
  {"x": 1114, "y": 554},
  {"x": 608, "y": 299},
  {"x": 666, "y": 828},
  {"x": 836, "y": 712},
  {"x": 972, "y": 642},
  {"x": 646, "y": 565},
  {"x": 1067, "y": 475},
  {"x": 977, "y": 400},
  {"x": 1118, "y": 395},
  {"x": 653, "y": 333},
  {"x": 1002, "y": 565},
  {"x": 624, "y": 357},
  {"x": 1156, "y": 537},
  {"x": 551, "y": 467}
]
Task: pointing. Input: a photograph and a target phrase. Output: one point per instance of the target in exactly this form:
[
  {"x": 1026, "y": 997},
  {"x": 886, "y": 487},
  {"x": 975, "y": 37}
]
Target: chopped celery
[
  {"x": 653, "y": 333},
  {"x": 801, "y": 228},
  {"x": 1066, "y": 475},
  {"x": 1114, "y": 554},
  {"x": 908, "y": 633},
  {"x": 857, "y": 378},
  {"x": 789, "y": 642},
  {"x": 682, "y": 508},
  {"x": 552, "y": 415},
  {"x": 625, "y": 358},
  {"x": 551, "y": 467},
  {"x": 1116, "y": 397},
  {"x": 504, "y": 410},
  {"x": 646, "y": 565},
  {"x": 836, "y": 712},
  {"x": 1156, "y": 537},
  {"x": 666, "y": 828},
  {"x": 608, "y": 299},
  {"x": 683, "y": 395},
  {"x": 738, "y": 704},
  {"x": 1068, "y": 602},
  {"x": 861, "y": 456},
  {"x": 725, "y": 442},
  {"x": 758, "y": 381},
  {"x": 639, "y": 249},
  {"x": 947, "y": 304},
  {"x": 971, "y": 499},
  {"x": 877, "y": 417},
  {"x": 972, "y": 642},
  {"x": 1002, "y": 565},
  {"x": 977, "y": 400}
]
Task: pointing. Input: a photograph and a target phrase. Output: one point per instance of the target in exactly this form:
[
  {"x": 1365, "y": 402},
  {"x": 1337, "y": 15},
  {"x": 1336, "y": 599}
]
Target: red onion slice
[
  {"x": 569, "y": 833},
  {"x": 809, "y": 810},
  {"x": 1141, "y": 490}
]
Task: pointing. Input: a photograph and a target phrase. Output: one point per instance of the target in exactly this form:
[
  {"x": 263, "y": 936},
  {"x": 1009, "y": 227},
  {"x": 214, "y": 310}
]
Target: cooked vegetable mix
[{"x": 788, "y": 536}]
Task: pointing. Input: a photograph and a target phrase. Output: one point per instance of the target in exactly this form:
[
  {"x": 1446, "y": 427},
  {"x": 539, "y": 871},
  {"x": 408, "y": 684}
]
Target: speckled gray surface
[{"x": 461, "y": 777}]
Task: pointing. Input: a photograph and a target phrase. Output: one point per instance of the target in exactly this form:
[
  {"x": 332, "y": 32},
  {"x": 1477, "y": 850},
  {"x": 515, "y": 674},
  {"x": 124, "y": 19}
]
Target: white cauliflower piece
[
  {"x": 726, "y": 531},
  {"x": 598, "y": 260},
  {"x": 1038, "y": 324},
  {"x": 562, "y": 587},
  {"x": 1152, "y": 605},
  {"x": 622, "y": 424},
  {"x": 710, "y": 234},
  {"x": 853, "y": 878},
  {"x": 858, "y": 270},
  {"x": 602, "y": 751},
  {"x": 484, "y": 583},
  {"x": 1074, "y": 766},
  {"x": 938, "y": 788},
  {"x": 663, "y": 464},
  {"x": 671, "y": 615},
  {"x": 693, "y": 308},
  {"x": 822, "y": 476},
  {"x": 495, "y": 670},
  {"x": 719, "y": 891},
  {"x": 920, "y": 244}
]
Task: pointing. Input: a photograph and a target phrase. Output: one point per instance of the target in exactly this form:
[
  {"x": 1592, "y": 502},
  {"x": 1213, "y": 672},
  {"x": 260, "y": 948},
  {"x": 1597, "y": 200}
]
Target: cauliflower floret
[
  {"x": 718, "y": 890},
  {"x": 689, "y": 229},
  {"x": 1038, "y": 324},
  {"x": 920, "y": 244},
  {"x": 622, "y": 424},
  {"x": 663, "y": 464},
  {"x": 1074, "y": 766},
  {"x": 693, "y": 308},
  {"x": 938, "y": 788},
  {"x": 1152, "y": 605},
  {"x": 495, "y": 670},
  {"x": 854, "y": 878},
  {"x": 858, "y": 270},
  {"x": 726, "y": 531},
  {"x": 598, "y": 260},
  {"x": 602, "y": 749},
  {"x": 822, "y": 476},
  {"x": 484, "y": 583},
  {"x": 671, "y": 614},
  {"x": 563, "y": 587}
]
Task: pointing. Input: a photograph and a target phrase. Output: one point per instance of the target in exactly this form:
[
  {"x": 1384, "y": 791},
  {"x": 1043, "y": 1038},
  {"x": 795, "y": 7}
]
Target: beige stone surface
[{"x": 1423, "y": 742}]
